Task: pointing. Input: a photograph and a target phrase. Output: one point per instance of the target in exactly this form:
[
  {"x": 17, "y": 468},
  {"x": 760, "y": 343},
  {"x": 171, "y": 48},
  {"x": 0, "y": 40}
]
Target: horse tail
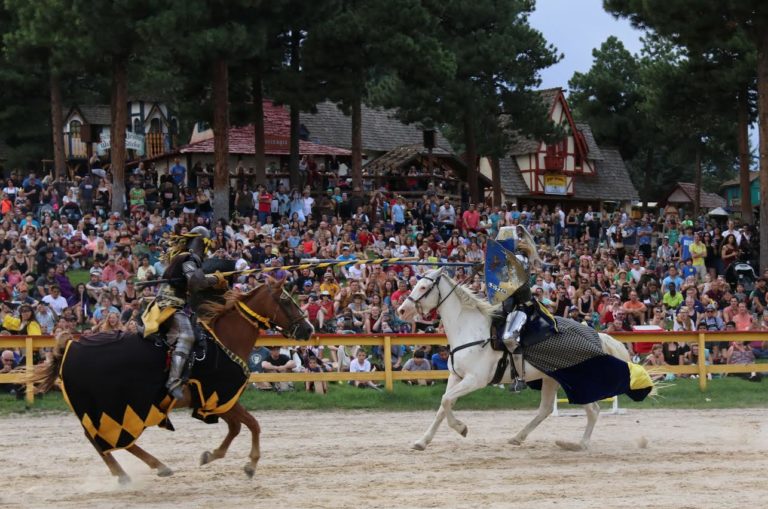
[
  {"x": 44, "y": 376},
  {"x": 613, "y": 347}
]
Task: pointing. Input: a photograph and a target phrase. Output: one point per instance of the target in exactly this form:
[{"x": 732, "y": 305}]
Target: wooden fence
[{"x": 388, "y": 375}]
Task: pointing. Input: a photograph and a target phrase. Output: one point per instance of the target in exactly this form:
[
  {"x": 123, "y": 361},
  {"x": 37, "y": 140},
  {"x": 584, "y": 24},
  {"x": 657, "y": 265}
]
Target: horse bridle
[
  {"x": 440, "y": 298},
  {"x": 269, "y": 323}
]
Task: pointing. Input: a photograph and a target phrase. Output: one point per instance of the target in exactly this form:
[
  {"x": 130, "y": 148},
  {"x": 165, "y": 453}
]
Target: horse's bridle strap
[{"x": 249, "y": 313}]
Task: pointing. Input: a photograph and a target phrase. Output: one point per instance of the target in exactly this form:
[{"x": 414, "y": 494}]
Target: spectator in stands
[
  {"x": 415, "y": 364},
  {"x": 360, "y": 364}
]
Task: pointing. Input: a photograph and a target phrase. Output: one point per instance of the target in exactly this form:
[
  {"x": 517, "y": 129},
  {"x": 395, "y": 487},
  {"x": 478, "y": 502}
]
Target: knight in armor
[
  {"x": 509, "y": 259},
  {"x": 184, "y": 277}
]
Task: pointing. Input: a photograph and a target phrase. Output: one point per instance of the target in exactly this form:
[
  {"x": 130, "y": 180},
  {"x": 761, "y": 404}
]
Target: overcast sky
[{"x": 575, "y": 27}]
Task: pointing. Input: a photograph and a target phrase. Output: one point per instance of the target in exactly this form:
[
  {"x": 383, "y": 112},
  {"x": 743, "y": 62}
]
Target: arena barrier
[{"x": 388, "y": 376}]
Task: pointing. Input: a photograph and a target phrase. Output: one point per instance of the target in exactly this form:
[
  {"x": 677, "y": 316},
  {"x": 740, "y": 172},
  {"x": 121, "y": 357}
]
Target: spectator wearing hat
[
  {"x": 576, "y": 315},
  {"x": 359, "y": 311},
  {"x": 711, "y": 319},
  {"x": 325, "y": 314},
  {"x": 329, "y": 285}
]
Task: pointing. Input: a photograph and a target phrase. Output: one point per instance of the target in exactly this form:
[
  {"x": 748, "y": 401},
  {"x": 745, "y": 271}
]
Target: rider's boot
[{"x": 179, "y": 361}]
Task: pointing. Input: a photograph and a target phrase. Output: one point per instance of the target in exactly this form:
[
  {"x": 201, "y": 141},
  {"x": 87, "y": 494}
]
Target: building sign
[
  {"x": 133, "y": 141},
  {"x": 555, "y": 184}
]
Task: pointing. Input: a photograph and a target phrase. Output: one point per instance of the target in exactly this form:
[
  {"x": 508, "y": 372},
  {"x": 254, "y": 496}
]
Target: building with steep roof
[
  {"x": 731, "y": 190},
  {"x": 574, "y": 172},
  {"x": 684, "y": 195},
  {"x": 381, "y": 129},
  {"x": 150, "y": 131}
]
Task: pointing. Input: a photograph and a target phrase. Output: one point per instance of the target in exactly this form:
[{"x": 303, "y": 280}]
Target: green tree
[
  {"x": 702, "y": 26},
  {"x": 497, "y": 59},
  {"x": 363, "y": 41}
]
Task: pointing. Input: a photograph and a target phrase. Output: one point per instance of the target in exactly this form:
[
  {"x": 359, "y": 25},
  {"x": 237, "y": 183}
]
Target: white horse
[{"x": 467, "y": 319}]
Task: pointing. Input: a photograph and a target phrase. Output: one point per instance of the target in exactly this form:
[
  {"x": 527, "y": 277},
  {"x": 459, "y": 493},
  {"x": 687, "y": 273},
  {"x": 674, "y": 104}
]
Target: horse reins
[
  {"x": 261, "y": 321},
  {"x": 435, "y": 284}
]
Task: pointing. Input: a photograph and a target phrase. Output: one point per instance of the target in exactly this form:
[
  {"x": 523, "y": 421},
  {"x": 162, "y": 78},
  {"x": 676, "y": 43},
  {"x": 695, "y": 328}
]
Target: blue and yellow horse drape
[
  {"x": 574, "y": 357},
  {"x": 115, "y": 384}
]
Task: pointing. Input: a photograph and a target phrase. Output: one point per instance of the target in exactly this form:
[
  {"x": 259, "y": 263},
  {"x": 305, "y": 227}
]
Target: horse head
[
  {"x": 424, "y": 297},
  {"x": 276, "y": 309}
]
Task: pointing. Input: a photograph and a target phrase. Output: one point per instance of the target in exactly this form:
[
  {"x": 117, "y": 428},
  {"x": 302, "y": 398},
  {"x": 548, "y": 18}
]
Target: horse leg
[
  {"x": 245, "y": 417},
  {"x": 469, "y": 383},
  {"x": 233, "y": 429},
  {"x": 548, "y": 395},
  {"x": 424, "y": 441},
  {"x": 151, "y": 461},
  {"x": 114, "y": 467},
  {"x": 593, "y": 411}
]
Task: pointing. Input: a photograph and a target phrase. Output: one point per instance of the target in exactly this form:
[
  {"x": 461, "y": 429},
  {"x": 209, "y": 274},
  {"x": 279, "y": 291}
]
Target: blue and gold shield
[{"x": 504, "y": 273}]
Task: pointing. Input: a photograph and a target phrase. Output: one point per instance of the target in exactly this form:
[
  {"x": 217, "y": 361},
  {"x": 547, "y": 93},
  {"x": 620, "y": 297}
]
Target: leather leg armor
[{"x": 181, "y": 337}]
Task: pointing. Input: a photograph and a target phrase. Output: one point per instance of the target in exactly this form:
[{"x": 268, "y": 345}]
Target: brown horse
[{"x": 100, "y": 382}]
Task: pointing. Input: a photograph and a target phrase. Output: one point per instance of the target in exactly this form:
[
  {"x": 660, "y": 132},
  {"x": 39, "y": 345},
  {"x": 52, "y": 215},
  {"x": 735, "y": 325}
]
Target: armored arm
[{"x": 197, "y": 280}]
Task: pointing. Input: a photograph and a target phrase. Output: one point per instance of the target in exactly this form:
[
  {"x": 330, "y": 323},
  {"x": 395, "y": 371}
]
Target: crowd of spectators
[{"x": 609, "y": 270}]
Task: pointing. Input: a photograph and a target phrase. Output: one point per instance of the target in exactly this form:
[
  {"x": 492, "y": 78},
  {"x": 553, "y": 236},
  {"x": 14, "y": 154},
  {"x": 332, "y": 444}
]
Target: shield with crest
[{"x": 504, "y": 273}]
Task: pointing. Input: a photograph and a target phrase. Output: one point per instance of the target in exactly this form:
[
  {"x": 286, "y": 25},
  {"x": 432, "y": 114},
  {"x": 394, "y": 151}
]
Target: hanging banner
[
  {"x": 555, "y": 184},
  {"x": 133, "y": 141}
]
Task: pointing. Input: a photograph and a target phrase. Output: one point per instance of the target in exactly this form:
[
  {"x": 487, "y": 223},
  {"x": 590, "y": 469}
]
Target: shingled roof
[
  {"x": 735, "y": 182},
  {"x": 611, "y": 182},
  {"x": 523, "y": 144},
  {"x": 708, "y": 200},
  {"x": 382, "y": 131},
  {"x": 241, "y": 142},
  {"x": 94, "y": 114}
]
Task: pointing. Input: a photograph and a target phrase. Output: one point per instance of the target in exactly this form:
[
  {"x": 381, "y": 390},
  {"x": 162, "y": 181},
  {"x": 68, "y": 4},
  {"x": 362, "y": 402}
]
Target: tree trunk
[
  {"x": 697, "y": 186},
  {"x": 258, "y": 126},
  {"x": 57, "y": 127},
  {"x": 357, "y": 146},
  {"x": 744, "y": 159},
  {"x": 496, "y": 178},
  {"x": 647, "y": 180},
  {"x": 117, "y": 132},
  {"x": 762, "y": 109},
  {"x": 220, "y": 90},
  {"x": 471, "y": 157},
  {"x": 293, "y": 159}
]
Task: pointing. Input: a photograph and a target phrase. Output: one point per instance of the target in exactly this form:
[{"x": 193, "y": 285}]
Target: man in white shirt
[
  {"x": 732, "y": 231},
  {"x": 308, "y": 203},
  {"x": 55, "y": 301}
]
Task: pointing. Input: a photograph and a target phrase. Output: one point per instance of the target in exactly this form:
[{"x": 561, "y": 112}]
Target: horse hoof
[
  {"x": 464, "y": 431},
  {"x": 515, "y": 441},
  {"x": 124, "y": 479},
  {"x": 249, "y": 470},
  {"x": 164, "y": 471},
  {"x": 206, "y": 458},
  {"x": 569, "y": 446},
  {"x": 418, "y": 446}
]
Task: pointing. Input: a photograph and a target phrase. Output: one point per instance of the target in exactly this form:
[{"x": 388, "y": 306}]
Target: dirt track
[{"x": 693, "y": 459}]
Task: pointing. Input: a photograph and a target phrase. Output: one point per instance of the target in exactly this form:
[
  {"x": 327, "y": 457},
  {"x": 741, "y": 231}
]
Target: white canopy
[{"x": 719, "y": 211}]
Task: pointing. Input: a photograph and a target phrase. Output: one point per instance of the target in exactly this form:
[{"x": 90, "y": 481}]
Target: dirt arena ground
[{"x": 693, "y": 459}]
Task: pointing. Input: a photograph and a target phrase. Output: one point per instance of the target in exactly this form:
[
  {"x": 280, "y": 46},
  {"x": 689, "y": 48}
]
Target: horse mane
[
  {"x": 210, "y": 309},
  {"x": 470, "y": 300}
]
